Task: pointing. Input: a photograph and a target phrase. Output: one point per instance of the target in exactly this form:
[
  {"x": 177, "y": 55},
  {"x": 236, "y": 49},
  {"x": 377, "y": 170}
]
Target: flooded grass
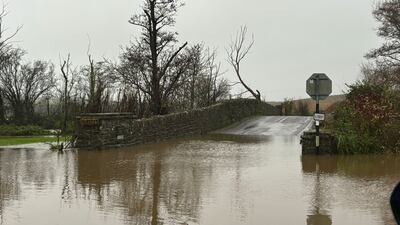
[{"x": 7, "y": 140}]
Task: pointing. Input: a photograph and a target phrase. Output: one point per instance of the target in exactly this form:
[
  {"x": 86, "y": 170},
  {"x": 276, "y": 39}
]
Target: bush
[
  {"x": 301, "y": 108},
  {"x": 351, "y": 133},
  {"x": 12, "y": 130},
  {"x": 368, "y": 121},
  {"x": 288, "y": 106}
]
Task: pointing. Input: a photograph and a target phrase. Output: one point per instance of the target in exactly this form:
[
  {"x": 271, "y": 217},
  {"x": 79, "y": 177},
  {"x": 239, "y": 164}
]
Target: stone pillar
[{"x": 328, "y": 143}]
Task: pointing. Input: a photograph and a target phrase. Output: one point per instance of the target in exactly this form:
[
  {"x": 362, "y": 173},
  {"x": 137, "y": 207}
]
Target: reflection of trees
[
  {"x": 153, "y": 184},
  {"x": 242, "y": 139},
  {"x": 157, "y": 183},
  {"x": 23, "y": 168},
  {"x": 181, "y": 186},
  {"x": 156, "y": 189},
  {"x": 357, "y": 166},
  {"x": 9, "y": 189},
  {"x": 370, "y": 166},
  {"x": 381, "y": 172},
  {"x": 119, "y": 179},
  {"x": 325, "y": 163},
  {"x": 319, "y": 206},
  {"x": 141, "y": 184}
]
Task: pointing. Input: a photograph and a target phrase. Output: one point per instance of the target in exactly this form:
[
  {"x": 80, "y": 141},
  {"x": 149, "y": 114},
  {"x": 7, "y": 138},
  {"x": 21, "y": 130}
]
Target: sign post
[{"x": 319, "y": 87}]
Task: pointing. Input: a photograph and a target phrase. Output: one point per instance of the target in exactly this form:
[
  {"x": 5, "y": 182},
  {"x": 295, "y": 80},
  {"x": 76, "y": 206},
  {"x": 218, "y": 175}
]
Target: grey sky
[{"x": 293, "y": 38}]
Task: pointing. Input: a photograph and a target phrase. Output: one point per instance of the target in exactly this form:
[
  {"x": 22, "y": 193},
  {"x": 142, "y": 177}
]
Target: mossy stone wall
[{"x": 97, "y": 131}]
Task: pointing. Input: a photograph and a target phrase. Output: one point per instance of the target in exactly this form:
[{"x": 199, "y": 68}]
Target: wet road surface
[
  {"x": 215, "y": 179},
  {"x": 270, "y": 126}
]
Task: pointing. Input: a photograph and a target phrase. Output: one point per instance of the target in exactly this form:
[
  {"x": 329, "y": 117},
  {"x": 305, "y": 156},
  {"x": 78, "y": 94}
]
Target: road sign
[
  {"x": 319, "y": 117},
  {"x": 319, "y": 86}
]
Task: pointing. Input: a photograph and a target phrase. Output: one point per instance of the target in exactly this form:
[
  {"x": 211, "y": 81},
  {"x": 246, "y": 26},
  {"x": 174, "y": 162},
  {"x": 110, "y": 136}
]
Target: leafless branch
[{"x": 236, "y": 52}]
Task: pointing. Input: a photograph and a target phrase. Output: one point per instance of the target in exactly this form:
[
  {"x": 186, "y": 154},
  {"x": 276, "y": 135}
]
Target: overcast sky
[{"x": 293, "y": 38}]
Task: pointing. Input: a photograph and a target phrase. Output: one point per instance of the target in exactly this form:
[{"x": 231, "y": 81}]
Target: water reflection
[
  {"x": 361, "y": 166},
  {"x": 320, "y": 214},
  {"x": 140, "y": 182},
  {"x": 363, "y": 181},
  {"x": 249, "y": 139},
  {"x": 205, "y": 180},
  {"x": 163, "y": 183}
]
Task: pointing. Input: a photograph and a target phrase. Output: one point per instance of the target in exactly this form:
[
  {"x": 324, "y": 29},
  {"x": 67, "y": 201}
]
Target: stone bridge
[{"x": 98, "y": 131}]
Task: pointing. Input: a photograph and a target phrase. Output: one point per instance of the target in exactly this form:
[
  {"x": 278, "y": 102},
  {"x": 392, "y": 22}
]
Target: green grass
[
  {"x": 6, "y": 141},
  {"x": 13, "y": 130}
]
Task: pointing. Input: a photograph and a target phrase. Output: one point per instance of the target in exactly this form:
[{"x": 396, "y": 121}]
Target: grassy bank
[
  {"x": 8, "y": 141},
  {"x": 31, "y": 130}
]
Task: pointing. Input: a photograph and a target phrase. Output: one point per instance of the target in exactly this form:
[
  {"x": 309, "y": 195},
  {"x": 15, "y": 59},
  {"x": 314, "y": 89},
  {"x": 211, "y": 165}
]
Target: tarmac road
[{"x": 270, "y": 126}]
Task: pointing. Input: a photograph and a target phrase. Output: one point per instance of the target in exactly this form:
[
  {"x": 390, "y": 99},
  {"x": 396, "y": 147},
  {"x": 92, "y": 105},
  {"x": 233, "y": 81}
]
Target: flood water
[{"x": 216, "y": 179}]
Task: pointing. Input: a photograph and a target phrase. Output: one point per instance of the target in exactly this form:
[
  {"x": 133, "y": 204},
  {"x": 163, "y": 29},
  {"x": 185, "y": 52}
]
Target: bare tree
[
  {"x": 94, "y": 104},
  {"x": 5, "y": 48},
  {"x": 288, "y": 106},
  {"x": 237, "y": 51},
  {"x": 209, "y": 87},
  {"x": 150, "y": 62},
  {"x": 387, "y": 13},
  {"x": 385, "y": 67},
  {"x": 201, "y": 84},
  {"x": 5, "y": 45},
  {"x": 216, "y": 87},
  {"x": 68, "y": 75},
  {"x": 195, "y": 68},
  {"x": 302, "y": 108},
  {"x": 2, "y": 109},
  {"x": 24, "y": 84},
  {"x": 79, "y": 93},
  {"x": 100, "y": 77}
]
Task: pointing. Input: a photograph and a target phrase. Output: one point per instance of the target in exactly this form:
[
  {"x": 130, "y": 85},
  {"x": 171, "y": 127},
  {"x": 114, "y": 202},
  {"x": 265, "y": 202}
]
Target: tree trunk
[
  {"x": 48, "y": 106},
  {"x": 156, "y": 182},
  {"x": 192, "y": 90},
  {"x": 156, "y": 104},
  {"x": 64, "y": 128},
  {"x": 19, "y": 114},
  {"x": 29, "y": 113},
  {"x": 2, "y": 110}
]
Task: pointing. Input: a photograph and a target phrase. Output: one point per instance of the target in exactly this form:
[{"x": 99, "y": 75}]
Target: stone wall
[
  {"x": 328, "y": 143},
  {"x": 116, "y": 130}
]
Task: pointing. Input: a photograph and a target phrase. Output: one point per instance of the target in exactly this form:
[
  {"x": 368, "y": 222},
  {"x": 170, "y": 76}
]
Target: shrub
[
  {"x": 302, "y": 108},
  {"x": 288, "y": 106},
  {"x": 368, "y": 121},
  {"x": 350, "y": 133}
]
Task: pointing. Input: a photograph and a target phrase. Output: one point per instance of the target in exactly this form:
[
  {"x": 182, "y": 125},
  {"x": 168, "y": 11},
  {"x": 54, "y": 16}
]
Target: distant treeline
[
  {"x": 306, "y": 107},
  {"x": 154, "y": 75}
]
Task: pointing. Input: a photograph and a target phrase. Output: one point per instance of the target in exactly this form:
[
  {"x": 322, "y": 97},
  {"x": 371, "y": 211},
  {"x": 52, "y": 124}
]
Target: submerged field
[{"x": 7, "y": 140}]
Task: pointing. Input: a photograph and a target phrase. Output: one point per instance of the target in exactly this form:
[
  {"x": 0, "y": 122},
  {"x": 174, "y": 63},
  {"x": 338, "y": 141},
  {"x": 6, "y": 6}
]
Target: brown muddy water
[{"x": 212, "y": 180}]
